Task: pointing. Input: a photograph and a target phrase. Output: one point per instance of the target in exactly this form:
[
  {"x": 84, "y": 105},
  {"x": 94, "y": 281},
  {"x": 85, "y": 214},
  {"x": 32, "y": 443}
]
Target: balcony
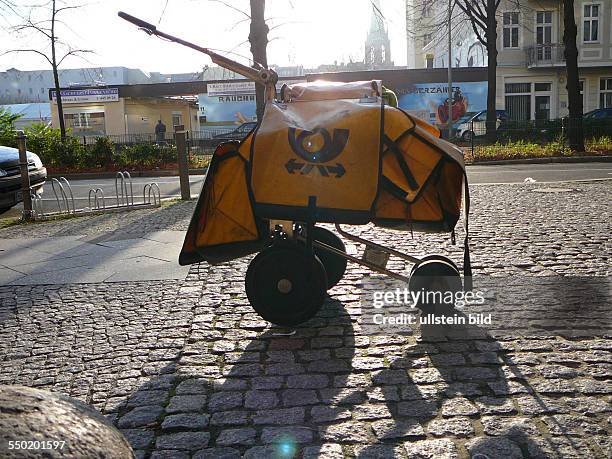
[{"x": 549, "y": 55}]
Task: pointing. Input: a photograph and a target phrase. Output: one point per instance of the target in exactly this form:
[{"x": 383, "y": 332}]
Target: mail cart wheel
[
  {"x": 335, "y": 265},
  {"x": 286, "y": 285},
  {"x": 435, "y": 256},
  {"x": 436, "y": 276}
]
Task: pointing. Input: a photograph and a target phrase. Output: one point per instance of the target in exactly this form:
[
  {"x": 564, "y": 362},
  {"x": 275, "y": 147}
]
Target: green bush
[
  {"x": 148, "y": 155},
  {"x": 100, "y": 154},
  {"x": 7, "y": 131},
  {"x": 47, "y": 143}
]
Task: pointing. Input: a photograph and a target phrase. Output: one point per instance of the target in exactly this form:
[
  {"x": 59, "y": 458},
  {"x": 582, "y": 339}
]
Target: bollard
[
  {"x": 183, "y": 164},
  {"x": 25, "y": 177}
]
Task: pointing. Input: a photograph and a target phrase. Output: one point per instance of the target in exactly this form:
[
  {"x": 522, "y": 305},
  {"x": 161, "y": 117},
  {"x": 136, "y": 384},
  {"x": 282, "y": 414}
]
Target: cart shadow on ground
[{"x": 326, "y": 385}]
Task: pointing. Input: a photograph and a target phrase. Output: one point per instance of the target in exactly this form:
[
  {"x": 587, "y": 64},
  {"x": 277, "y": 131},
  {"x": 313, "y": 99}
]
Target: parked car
[
  {"x": 237, "y": 134},
  {"x": 475, "y": 125},
  {"x": 598, "y": 114},
  {"x": 10, "y": 176}
]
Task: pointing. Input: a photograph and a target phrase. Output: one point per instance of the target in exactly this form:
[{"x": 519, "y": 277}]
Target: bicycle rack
[
  {"x": 153, "y": 191},
  {"x": 98, "y": 196},
  {"x": 125, "y": 197},
  {"x": 97, "y": 202},
  {"x": 37, "y": 205},
  {"x": 63, "y": 195}
]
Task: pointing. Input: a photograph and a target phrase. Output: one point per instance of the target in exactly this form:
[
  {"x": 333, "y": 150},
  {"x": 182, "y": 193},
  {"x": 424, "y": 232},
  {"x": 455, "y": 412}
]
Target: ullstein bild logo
[{"x": 331, "y": 148}]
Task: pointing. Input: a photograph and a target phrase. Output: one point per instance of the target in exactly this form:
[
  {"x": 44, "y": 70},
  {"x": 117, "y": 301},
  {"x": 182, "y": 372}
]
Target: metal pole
[
  {"x": 450, "y": 72},
  {"x": 25, "y": 176},
  {"x": 181, "y": 149}
]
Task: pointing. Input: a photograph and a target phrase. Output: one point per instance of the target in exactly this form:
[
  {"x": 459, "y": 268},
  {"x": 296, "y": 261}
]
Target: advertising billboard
[
  {"x": 428, "y": 101},
  {"x": 78, "y": 96}
]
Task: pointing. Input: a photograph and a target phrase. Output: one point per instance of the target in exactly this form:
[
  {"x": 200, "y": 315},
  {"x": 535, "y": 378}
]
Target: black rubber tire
[
  {"x": 467, "y": 136},
  {"x": 435, "y": 256},
  {"x": 437, "y": 274},
  {"x": 303, "y": 274},
  {"x": 335, "y": 265}
]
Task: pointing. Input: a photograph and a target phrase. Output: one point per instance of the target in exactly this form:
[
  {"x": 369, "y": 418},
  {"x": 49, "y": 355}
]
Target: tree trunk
[
  {"x": 58, "y": 96},
  {"x": 575, "y": 132},
  {"x": 258, "y": 37},
  {"x": 491, "y": 38}
]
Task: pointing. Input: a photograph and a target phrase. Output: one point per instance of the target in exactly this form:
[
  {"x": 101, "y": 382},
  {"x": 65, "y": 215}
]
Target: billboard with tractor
[{"x": 429, "y": 101}]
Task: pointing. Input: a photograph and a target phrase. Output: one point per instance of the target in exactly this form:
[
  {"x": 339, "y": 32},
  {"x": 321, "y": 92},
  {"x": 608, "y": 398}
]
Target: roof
[{"x": 34, "y": 111}]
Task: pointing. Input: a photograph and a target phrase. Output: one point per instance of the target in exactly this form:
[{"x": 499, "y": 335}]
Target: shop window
[{"x": 605, "y": 93}]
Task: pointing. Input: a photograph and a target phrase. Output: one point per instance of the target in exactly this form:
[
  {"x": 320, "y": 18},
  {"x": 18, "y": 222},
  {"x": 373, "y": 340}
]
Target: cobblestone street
[{"x": 188, "y": 369}]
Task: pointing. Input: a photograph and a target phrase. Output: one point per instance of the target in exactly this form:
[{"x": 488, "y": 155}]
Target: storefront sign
[{"x": 79, "y": 96}]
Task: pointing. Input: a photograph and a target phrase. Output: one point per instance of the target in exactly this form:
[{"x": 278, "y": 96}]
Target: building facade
[
  {"x": 427, "y": 35},
  {"x": 531, "y": 74}
]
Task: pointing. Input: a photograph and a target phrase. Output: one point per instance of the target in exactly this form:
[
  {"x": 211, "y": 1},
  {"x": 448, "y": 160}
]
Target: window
[
  {"x": 581, "y": 85},
  {"x": 86, "y": 123},
  {"x": 426, "y": 39},
  {"x": 177, "y": 119},
  {"x": 429, "y": 61},
  {"x": 426, "y": 11},
  {"x": 590, "y": 31},
  {"x": 605, "y": 93},
  {"x": 544, "y": 35},
  {"x": 511, "y": 30}
]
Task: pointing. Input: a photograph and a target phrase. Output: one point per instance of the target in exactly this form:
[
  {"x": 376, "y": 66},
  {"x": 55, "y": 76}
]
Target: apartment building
[{"x": 531, "y": 74}]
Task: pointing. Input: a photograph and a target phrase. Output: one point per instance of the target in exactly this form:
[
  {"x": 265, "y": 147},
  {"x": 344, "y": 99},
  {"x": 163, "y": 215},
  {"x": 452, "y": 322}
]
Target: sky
[{"x": 303, "y": 32}]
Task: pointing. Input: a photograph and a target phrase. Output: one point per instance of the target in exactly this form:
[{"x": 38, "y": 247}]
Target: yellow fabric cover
[
  {"x": 223, "y": 213},
  {"x": 334, "y": 151},
  {"x": 328, "y": 90}
]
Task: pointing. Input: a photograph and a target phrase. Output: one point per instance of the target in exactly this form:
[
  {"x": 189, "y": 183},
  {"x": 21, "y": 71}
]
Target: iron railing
[{"x": 547, "y": 55}]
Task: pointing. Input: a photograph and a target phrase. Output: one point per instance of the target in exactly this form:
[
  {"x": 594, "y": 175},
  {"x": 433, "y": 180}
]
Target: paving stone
[
  {"x": 223, "y": 401},
  {"x": 417, "y": 408},
  {"x": 234, "y": 417},
  {"x": 456, "y": 427},
  {"x": 185, "y": 421},
  {"x": 141, "y": 416},
  {"x": 323, "y": 413},
  {"x": 280, "y": 416},
  {"x": 218, "y": 453},
  {"x": 346, "y": 432},
  {"x": 325, "y": 451},
  {"x": 308, "y": 381},
  {"x": 191, "y": 441},
  {"x": 139, "y": 438},
  {"x": 258, "y": 399},
  {"x": 390, "y": 428},
  {"x": 230, "y": 437},
  {"x": 458, "y": 407},
  {"x": 299, "y": 397},
  {"x": 432, "y": 449},
  {"x": 185, "y": 403},
  {"x": 494, "y": 448},
  {"x": 283, "y": 434}
]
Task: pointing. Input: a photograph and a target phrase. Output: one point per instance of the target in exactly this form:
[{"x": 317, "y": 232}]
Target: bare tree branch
[
  {"x": 27, "y": 51},
  {"x": 73, "y": 52},
  {"x": 231, "y": 7}
]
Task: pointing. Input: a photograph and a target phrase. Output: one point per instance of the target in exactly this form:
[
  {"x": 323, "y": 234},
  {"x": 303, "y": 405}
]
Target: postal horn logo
[{"x": 318, "y": 146}]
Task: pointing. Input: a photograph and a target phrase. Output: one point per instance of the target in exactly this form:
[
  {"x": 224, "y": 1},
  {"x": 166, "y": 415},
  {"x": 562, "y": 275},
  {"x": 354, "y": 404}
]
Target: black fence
[{"x": 198, "y": 142}]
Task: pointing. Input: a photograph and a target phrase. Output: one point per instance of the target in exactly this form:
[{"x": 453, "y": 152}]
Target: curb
[
  {"x": 133, "y": 174},
  {"x": 552, "y": 159}
]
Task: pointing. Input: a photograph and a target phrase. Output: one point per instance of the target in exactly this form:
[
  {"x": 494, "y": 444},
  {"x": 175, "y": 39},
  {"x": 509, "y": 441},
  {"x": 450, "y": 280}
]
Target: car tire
[{"x": 467, "y": 136}]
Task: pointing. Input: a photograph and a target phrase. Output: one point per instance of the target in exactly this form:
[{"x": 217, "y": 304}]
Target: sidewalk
[{"x": 186, "y": 369}]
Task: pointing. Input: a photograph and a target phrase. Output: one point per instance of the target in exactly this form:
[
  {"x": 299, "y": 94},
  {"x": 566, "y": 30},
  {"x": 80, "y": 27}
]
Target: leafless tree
[
  {"x": 43, "y": 20},
  {"x": 575, "y": 131},
  {"x": 258, "y": 37}
]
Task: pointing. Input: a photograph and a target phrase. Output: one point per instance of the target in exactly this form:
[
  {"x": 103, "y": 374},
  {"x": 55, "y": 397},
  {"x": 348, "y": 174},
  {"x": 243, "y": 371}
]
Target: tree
[
  {"x": 482, "y": 17},
  {"x": 43, "y": 20},
  {"x": 258, "y": 37},
  {"x": 575, "y": 131}
]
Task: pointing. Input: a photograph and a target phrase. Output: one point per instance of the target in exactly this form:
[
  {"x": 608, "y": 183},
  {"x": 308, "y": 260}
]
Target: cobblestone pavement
[{"x": 187, "y": 369}]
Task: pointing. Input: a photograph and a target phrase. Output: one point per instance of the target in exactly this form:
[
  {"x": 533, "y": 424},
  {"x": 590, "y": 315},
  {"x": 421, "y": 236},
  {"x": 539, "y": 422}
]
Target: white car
[{"x": 476, "y": 125}]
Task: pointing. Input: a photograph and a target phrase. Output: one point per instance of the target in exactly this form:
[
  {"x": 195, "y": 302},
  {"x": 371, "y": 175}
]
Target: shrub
[{"x": 7, "y": 131}]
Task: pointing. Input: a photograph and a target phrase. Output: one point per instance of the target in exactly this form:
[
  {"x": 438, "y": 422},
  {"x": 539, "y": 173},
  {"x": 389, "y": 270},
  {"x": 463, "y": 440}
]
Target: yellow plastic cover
[{"x": 317, "y": 160}]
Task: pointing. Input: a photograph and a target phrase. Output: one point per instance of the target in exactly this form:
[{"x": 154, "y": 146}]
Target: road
[{"x": 490, "y": 174}]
